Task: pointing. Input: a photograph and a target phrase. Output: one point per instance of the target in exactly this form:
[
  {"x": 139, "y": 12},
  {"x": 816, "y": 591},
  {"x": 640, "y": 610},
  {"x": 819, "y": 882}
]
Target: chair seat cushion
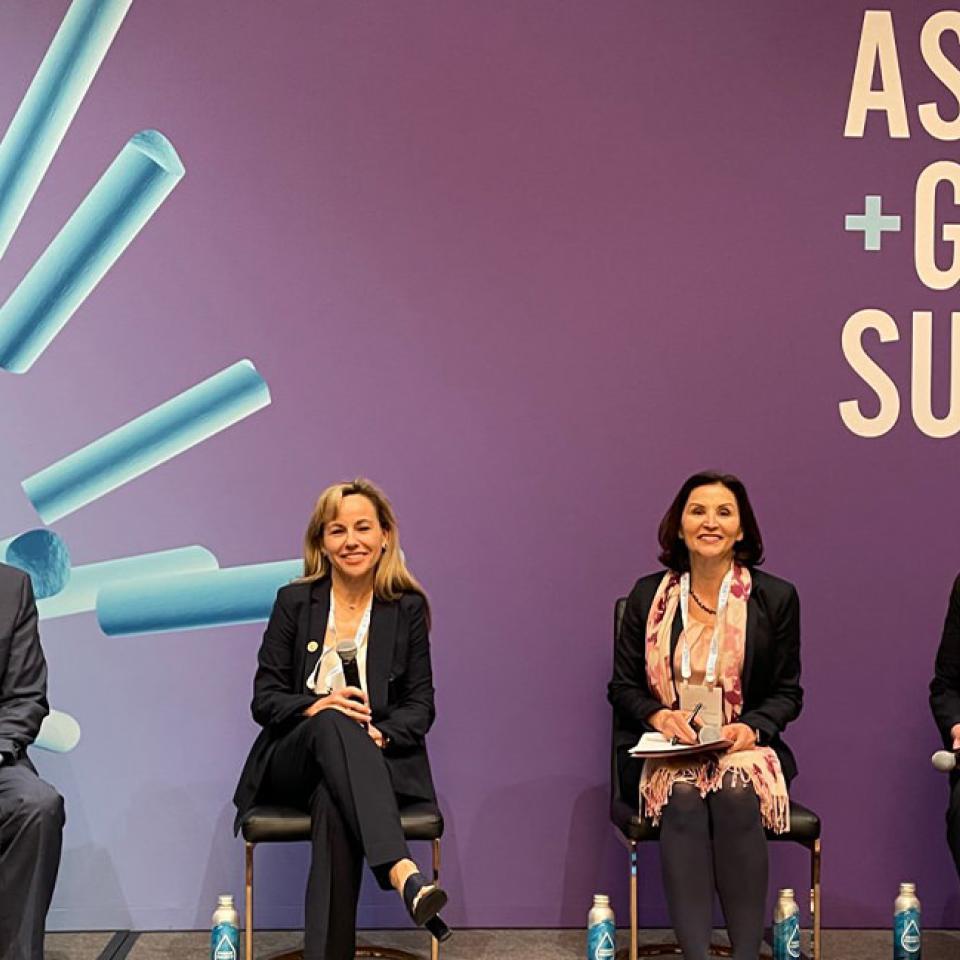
[
  {"x": 268, "y": 824},
  {"x": 804, "y": 824}
]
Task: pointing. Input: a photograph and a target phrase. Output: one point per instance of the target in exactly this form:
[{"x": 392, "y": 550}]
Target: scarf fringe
[{"x": 658, "y": 778}]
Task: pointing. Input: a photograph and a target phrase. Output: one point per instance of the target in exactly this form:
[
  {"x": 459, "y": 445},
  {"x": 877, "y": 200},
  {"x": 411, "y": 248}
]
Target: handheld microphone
[
  {"x": 347, "y": 652},
  {"x": 945, "y": 760}
]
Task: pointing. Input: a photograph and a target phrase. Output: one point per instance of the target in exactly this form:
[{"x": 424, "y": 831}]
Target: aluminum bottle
[
  {"x": 786, "y": 927},
  {"x": 225, "y": 934},
  {"x": 601, "y": 930},
  {"x": 907, "y": 939}
]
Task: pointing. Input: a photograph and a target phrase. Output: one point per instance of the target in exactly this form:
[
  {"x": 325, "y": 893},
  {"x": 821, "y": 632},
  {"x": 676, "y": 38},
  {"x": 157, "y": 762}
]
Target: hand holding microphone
[
  {"x": 347, "y": 652},
  {"x": 945, "y": 760},
  {"x": 351, "y": 700}
]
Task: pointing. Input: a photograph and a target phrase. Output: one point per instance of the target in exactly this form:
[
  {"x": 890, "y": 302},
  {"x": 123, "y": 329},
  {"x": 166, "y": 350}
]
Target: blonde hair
[{"x": 391, "y": 578}]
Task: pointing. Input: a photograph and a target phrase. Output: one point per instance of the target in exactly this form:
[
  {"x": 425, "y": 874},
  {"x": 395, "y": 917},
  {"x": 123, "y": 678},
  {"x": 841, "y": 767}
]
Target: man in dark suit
[
  {"x": 945, "y": 703},
  {"x": 31, "y": 811}
]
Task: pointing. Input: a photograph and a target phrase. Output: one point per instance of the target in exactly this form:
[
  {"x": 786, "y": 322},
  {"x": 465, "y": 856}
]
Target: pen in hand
[{"x": 674, "y": 740}]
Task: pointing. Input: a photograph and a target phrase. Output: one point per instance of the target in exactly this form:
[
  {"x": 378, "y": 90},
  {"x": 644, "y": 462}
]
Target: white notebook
[{"x": 655, "y": 744}]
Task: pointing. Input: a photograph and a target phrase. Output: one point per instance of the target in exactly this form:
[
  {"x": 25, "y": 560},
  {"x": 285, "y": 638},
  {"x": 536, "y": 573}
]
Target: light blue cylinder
[
  {"x": 144, "y": 443},
  {"x": 86, "y": 581},
  {"x": 193, "y": 600},
  {"x": 101, "y": 228},
  {"x": 59, "y": 732},
  {"x": 43, "y": 555},
  {"x": 51, "y": 102}
]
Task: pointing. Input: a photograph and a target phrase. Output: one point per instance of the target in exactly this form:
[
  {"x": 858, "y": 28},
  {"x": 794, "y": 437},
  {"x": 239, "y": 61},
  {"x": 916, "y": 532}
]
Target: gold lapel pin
[{"x": 313, "y": 646}]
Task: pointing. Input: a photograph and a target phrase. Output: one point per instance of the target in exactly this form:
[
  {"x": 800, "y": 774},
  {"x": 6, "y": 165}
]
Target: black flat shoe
[
  {"x": 438, "y": 929},
  {"x": 424, "y": 899}
]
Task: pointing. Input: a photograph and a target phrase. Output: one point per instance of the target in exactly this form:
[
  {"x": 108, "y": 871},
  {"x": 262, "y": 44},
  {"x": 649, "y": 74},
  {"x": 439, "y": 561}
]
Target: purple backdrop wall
[{"x": 527, "y": 265}]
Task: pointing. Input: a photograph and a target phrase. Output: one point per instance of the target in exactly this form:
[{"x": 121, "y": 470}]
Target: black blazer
[
  {"x": 772, "y": 695},
  {"x": 399, "y": 683},
  {"x": 945, "y": 686},
  {"x": 23, "y": 670}
]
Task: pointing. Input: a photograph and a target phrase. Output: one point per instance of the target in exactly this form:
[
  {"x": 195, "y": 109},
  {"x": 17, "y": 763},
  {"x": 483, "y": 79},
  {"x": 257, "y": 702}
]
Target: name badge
[{"x": 711, "y": 698}]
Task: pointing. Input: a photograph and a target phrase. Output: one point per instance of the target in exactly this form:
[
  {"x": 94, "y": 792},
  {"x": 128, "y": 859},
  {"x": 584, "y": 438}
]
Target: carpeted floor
[{"x": 468, "y": 944}]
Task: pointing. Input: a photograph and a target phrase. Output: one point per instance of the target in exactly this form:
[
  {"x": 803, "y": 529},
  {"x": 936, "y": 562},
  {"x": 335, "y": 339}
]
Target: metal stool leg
[
  {"x": 434, "y": 942},
  {"x": 815, "y": 896},
  {"x": 634, "y": 909},
  {"x": 248, "y": 907},
  {"x": 631, "y": 952}
]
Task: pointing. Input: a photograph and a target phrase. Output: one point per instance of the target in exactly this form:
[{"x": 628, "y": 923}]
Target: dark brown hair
[{"x": 748, "y": 551}]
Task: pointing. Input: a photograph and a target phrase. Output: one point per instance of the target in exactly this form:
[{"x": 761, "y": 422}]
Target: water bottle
[
  {"x": 225, "y": 935},
  {"x": 786, "y": 927},
  {"x": 601, "y": 930},
  {"x": 906, "y": 924}
]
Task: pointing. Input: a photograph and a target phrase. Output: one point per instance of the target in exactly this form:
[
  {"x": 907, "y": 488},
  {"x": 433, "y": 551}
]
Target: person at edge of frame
[{"x": 31, "y": 811}]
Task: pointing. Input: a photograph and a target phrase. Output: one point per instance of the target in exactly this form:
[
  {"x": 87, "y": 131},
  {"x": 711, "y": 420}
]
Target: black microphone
[
  {"x": 945, "y": 760},
  {"x": 347, "y": 652}
]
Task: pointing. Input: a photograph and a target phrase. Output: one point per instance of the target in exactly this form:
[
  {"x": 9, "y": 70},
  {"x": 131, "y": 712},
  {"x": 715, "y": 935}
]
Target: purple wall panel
[{"x": 527, "y": 265}]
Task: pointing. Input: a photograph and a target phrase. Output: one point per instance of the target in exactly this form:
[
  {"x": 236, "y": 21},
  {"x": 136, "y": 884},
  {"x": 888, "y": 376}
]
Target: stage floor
[{"x": 465, "y": 944}]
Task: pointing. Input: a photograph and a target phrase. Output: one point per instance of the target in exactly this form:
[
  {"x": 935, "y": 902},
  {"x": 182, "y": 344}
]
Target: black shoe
[{"x": 424, "y": 899}]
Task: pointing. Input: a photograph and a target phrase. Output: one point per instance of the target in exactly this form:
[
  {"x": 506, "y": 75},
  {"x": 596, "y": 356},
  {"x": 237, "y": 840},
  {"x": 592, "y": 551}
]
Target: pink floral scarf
[{"x": 759, "y": 767}]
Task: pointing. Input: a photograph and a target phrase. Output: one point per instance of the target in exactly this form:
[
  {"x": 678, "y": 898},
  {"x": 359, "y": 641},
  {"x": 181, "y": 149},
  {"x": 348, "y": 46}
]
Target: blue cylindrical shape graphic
[
  {"x": 59, "y": 733},
  {"x": 101, "y": 228},
  {"x": 152, "y": 439},
  {"x": 86, "y": 581},
  {"x": 192, "y": 600},
  {"x": 43, "y": 555},
  {"x": 51, "y": 102}
]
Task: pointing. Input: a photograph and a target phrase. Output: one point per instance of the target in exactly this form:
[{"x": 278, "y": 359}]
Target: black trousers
[
  {"x": 329, "y": 765},
  {"x": 953, "y": 819},
  {"x": 31, "y": 828}
]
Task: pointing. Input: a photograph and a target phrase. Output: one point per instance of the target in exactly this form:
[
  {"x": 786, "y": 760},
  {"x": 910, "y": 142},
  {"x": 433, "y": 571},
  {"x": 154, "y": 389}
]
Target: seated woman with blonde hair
[{"x": 350, "y": 755}]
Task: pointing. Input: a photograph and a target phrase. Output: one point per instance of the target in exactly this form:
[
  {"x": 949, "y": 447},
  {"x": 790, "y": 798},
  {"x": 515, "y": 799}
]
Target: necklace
[
  {"x": 702, "y": 605},
  {"x": 356, "y": 604}
]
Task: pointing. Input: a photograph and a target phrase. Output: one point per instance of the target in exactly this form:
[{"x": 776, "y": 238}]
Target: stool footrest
[{"x": 670, "y": 950}]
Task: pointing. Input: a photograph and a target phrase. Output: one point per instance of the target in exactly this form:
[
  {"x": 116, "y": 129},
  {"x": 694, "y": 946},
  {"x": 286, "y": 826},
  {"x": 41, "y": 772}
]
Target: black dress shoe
[{"x": 424, "y": 899}]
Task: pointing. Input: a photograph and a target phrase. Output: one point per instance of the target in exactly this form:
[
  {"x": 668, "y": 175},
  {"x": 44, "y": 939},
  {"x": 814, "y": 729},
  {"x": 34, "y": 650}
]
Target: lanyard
[
  {"x": 710, "y": 675},
  {"x": 360, "y": 639}
]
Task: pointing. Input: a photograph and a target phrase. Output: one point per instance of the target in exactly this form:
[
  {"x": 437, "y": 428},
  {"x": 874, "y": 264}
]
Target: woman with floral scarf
[{"x": 715, "y": 636}]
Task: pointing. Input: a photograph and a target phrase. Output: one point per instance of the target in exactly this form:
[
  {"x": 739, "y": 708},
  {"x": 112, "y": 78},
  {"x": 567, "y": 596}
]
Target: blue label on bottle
[
  {"x": 224, "y": 942},
  {"x": 906, "y": 935},
  {"x": 786, "y": 938},
  {"x": 602, "y": 941}
]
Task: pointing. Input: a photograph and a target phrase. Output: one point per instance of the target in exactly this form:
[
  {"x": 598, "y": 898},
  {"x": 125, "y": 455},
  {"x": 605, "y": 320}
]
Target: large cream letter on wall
[
  {"x": 924, "y": 243},
  {"x": 921, "y": 398},
  {"x": 877, "y": 44},
  {"x": 871, "y": 374},
  {"x": 944, "y": 70}
]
